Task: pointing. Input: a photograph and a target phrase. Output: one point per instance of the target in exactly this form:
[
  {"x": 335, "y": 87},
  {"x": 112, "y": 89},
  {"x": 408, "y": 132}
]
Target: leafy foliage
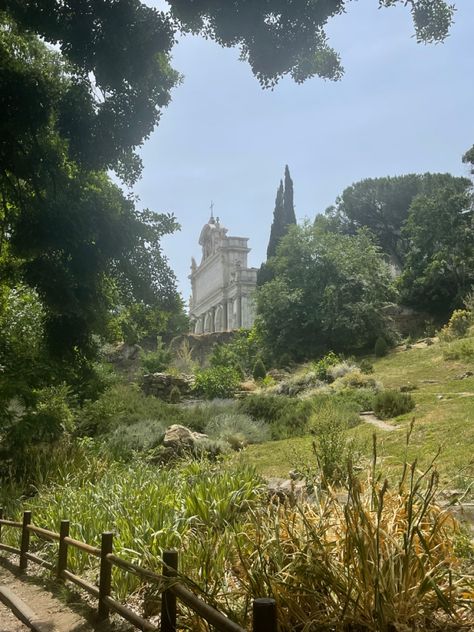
[
  {"x": 240, "y": 353},
  {"x": 322, "y": 366},
  {"x": 327, "y": 293},
  {"x": 217, "y": 382},
  {"x": 439, "y": 266},
  {"x": 458, "y": 325},
  {"x": 383, "y": 206}
]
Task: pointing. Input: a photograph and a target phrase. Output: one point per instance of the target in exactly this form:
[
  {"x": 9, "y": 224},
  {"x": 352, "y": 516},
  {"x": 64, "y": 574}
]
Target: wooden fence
[{"x": 264, "y": 610}]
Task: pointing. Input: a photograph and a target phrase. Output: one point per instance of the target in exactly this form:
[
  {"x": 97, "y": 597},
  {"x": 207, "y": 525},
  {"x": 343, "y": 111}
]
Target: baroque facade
[{"x": 222, "y": 284}]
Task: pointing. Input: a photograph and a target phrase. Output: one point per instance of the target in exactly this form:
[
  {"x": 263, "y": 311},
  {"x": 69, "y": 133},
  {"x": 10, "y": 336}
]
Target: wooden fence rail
[{"x": 264, "y": 610}]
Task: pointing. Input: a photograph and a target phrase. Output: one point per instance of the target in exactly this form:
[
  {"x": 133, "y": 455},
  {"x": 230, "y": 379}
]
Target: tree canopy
[
  {"x": 327, "y": 292},
  {"x": 439, "y": 266},
  {"x": 383, "y": 205}
]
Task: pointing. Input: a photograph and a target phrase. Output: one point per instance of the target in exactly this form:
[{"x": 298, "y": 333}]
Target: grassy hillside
[{"x": 444, "y": 416}]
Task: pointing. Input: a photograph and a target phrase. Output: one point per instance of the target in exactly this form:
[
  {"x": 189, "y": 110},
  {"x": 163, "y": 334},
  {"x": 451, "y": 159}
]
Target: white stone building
[{"x": 222, "y": 284}]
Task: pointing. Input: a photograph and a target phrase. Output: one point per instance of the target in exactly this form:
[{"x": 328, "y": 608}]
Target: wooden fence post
[
  {"x": 1, "y": 518},
  {"x": 264, "y": 615},
  {"x": 25, "y": 540},
  {"x": 168, "y": 598},
  {"x": 62, "y": 553},
  {"x": 105, "y": 579}
]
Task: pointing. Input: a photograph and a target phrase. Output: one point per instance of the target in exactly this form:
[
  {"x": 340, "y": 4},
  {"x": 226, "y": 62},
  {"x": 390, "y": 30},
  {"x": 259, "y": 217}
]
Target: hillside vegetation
[{"x": 444, "y": 415}]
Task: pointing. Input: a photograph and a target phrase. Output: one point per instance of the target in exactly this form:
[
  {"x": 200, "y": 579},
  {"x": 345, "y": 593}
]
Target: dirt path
[
  {"x": 370, "y": 418},
  {"x": 42, "y": 596}
]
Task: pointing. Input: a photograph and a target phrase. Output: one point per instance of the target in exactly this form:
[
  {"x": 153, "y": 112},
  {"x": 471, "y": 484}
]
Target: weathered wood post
[
  {"x": 168, "y": 598},
  {"x": 62, "y": 553},
  {"x": 105, "y": 579},
  {"x": 264, "y": 615},
  {"x": 25, "y": 540}
]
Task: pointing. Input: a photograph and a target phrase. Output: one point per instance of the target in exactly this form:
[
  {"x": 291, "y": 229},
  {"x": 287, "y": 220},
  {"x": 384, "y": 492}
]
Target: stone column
[{"x": 225, "y": 317}]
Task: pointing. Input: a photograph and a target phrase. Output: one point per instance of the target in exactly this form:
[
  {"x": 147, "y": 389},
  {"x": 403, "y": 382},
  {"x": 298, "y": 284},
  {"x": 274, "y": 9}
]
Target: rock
[
  {"x": 248, "y": 386},
  {"x": 178, "y": 437},
  {"x": 464, "y": 376},
  {"x": 286, "y": 489},
  {"x": 161, "y": 384}
]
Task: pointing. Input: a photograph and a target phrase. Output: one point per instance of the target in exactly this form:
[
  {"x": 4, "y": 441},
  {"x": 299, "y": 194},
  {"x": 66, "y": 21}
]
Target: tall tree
[
  {"x": 288, "y": 204},
  {"x": 439, "y": 266},
  {"x": 382, "y": 205},
  {"x": 278, "y": 228},
  {"x": 327, "y": 292}
]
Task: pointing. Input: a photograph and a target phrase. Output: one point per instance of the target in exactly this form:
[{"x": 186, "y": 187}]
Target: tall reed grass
[{"x": 372, "y": 557}]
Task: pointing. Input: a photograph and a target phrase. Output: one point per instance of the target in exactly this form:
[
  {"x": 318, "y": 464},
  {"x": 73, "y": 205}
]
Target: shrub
[
  {"x": 197, "y": 416},
  {"x": 390, "y": 403},
  {"x": 142, "y": 436},
  {"x": 356, "y": 379},
  {"x": 341, "y": 369},
  {"x": 299, "y": 383},
  {"x": 458, "y": 325},
  {"x": 175, "y": 395},
  {"x": 241, "y": 353},
  {"x": 381, "y": 347},
  {"x": 366, "y": 366},
  {"x": 286, "y": 417},
  {"x": 460, "y": 350},
  {"x": 237, "y": 429},
  {"x": 217, "y": 382},
  {"x": 322, "y": 366},
  {"x": 123, "y": 404},
  {"x": 155, "y": 361},
  {"x": 259, "y": 371},
  {"x": 359, "y": 398},
  {"x": 331, "y": 448}
]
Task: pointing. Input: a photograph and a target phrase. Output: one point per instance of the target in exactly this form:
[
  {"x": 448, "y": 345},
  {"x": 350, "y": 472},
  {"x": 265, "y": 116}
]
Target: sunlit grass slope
[{"x": 444, "y": 416}]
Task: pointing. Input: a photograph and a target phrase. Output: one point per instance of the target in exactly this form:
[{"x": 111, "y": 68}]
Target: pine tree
[{"x": 288, "y": 205}]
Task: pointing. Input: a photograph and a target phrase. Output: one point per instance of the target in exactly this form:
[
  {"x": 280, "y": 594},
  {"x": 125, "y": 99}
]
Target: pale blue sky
[{"x": 401, "y": 107}]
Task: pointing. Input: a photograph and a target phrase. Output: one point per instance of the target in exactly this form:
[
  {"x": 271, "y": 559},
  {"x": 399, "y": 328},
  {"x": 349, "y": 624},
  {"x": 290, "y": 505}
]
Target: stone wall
[{"x": 201, "y": 345}]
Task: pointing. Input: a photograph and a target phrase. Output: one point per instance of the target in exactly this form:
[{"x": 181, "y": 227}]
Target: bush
[
  {"x": 381, "y": 347},
  {"x": 217, "y": 382},
  {"x": 366, "y": 366},
  {"x": 142, "y": 436},
  {"x": 175, "y": 395},
  {"x": 390, "y": 403},
  {"x": 341, "y": 369},
  {"x": 356, "y": 379},
  {"x": 460, "y": 350},
  {"x": 359, "y": 398},
  {"x": 299, "y": 383},
  {"x": 322, "y": 366},
  {"x": 458, "y": 325},
  {"x": 237, "y": 429},
  {"x": 124, "y": 404},
  {"x": 286, "y": 417},
  {"x": 331, "y": 448},
  {"x": 241, "y": 353},
  {"x": 155, "y": 361},
  {"x": 197, "y": 416},
  {"x": 259, "y": 371}
]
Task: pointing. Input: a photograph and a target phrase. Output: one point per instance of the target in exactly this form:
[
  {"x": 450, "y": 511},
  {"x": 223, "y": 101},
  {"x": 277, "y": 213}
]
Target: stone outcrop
[
  {"x": 405, "y": 319},
  {"x": 200, "y": 345},
  {"x": 178, "y": 437},
  {"x": 161, "y": 384}
]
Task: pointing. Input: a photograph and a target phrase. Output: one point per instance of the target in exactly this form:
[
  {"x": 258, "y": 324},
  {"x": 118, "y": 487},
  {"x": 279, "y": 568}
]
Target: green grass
[{"x": 444, "y": 417}]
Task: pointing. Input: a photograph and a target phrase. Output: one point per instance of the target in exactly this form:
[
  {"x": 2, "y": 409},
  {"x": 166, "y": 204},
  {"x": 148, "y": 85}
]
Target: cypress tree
[
  {"x": 283, "y": 217},
  {"x": 278, "y": 225},
  {"x": 288, "y": 205}
]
